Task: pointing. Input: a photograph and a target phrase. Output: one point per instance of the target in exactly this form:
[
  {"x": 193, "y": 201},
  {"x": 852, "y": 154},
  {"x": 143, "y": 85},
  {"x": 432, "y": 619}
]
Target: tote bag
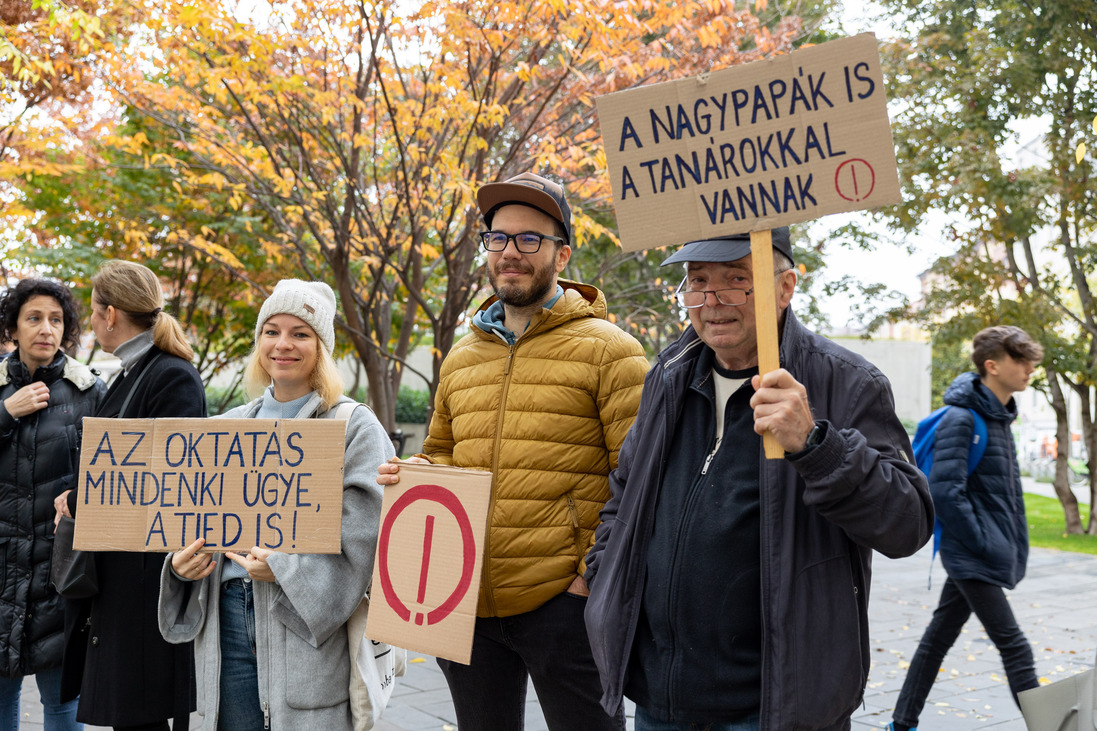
[
  {"x": 72, "y": 572},
  {"x": 1065, "y": 705},
  {"x": 374, "y": 667}
]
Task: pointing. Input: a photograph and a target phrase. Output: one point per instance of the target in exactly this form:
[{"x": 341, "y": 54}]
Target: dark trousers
[
  {"x": 549, "y": 645},
  {"x": 959, "y": 599}
]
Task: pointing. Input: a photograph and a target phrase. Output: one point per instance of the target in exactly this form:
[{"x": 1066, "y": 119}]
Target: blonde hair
[
  {"x": 136, "y": 286},
  {"x": 324, "y": 379}
]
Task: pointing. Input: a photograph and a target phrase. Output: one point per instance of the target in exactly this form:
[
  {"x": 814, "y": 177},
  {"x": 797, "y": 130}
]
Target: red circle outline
[
  {"x": 445, "y": 498},
  {"x": 871, "y": 187}
]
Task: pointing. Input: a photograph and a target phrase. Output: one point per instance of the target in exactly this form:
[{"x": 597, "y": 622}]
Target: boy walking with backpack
[{"x": 981, "y": 515}]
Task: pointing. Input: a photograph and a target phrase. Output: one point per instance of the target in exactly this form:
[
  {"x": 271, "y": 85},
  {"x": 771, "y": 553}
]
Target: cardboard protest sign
[
  {"x": 751, "y": 147},
  {"x": 426, "y": 579},
  {"x": 160, "y": 484}
]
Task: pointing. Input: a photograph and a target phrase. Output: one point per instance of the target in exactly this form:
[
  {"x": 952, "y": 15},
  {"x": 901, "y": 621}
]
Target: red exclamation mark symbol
[{"x": 428, "y": 536}]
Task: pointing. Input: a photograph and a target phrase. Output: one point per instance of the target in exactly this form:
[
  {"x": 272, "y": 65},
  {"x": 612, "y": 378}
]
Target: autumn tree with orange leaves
[{"x": 359, "y": 131}]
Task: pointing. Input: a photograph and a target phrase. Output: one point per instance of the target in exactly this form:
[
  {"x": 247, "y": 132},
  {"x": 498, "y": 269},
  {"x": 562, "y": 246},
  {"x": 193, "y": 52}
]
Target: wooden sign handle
[{"x": 765, "y": 319}]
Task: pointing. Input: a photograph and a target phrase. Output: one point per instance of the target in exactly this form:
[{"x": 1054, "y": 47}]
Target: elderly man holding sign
[
  {"x": 729, "y": 589},
  {"x": 729, "y": 584}
]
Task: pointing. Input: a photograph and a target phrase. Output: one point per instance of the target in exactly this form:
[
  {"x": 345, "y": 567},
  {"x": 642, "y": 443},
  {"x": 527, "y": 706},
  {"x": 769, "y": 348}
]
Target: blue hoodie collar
[
  {"x": 969, "y": 391},
  {"x": 491, "y": 319}
]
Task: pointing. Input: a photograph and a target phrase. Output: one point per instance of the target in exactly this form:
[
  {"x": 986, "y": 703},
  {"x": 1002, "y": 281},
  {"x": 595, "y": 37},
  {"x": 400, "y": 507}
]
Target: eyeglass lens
[
  {"x": 734, "y": 297},
  {"x": 526, "y": 243}
]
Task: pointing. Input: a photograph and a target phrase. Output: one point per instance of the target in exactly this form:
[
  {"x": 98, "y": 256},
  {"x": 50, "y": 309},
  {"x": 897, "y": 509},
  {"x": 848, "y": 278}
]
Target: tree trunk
[
  {"x": 1089, "y": 438},
  {"x": 1062, "y": 452}
]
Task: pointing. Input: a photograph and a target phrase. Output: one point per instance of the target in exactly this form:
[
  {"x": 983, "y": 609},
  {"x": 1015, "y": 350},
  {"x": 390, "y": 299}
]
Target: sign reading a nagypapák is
[{"x": 751, "y": 147}]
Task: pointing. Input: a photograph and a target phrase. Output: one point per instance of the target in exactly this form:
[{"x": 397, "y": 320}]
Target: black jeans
[
  {"x": 959, "y": 599},
  {"x": 549, "y": 645}
]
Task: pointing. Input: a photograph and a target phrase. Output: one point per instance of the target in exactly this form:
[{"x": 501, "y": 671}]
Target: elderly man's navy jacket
[{"x": 821, "y": 516}]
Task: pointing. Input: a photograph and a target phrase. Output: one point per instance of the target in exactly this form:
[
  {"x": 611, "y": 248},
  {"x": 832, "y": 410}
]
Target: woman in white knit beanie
[{"x": 271, "y": 646}]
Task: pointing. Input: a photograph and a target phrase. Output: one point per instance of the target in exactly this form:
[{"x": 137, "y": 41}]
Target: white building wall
[{"x": 906, "y": 363}]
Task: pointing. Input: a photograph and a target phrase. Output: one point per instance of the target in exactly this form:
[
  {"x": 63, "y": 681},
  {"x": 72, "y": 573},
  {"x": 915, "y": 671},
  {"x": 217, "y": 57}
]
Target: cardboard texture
[
  {"x": 160, "y": 484},
  {"x": 426, "y": 579},
  {"x": 752, "y": 147}
]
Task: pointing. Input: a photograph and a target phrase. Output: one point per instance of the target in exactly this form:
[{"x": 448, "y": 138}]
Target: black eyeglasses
[
  {"x": 691, "y": 299},
  {"x": 526, "y": 242}
]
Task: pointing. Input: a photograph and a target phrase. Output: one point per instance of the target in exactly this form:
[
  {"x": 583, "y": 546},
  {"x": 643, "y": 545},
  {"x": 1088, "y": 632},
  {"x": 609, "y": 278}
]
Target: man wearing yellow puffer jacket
[{"x": 542, "y": 393}]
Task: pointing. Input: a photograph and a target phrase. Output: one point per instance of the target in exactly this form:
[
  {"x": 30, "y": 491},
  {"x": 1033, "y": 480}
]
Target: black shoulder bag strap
[{"x": 136, "y": 383}]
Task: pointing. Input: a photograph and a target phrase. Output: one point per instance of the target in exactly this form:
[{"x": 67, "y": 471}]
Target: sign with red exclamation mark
[{"x": 429, "y": 550}]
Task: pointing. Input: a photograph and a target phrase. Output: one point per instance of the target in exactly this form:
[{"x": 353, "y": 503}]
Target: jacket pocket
[
  {"x": 317, "y": 677},
  {"x": 576, "y": 530},
  {"x": 828, "y": 635}
]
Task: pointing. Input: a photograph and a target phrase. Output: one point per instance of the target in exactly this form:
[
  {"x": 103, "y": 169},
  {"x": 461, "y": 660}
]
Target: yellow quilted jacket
[{"x": 547, "y": 416}]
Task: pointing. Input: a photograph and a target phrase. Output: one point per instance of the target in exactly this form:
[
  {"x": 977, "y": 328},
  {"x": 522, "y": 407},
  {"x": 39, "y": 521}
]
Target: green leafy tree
[
  {"x": 967, "y": 74},
  {"x": 128, "y": 210},
  {"x": 359, "y": 130}
]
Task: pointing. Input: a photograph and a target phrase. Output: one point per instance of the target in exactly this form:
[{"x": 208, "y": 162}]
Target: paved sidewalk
[{"x": 1055, "y": 606}]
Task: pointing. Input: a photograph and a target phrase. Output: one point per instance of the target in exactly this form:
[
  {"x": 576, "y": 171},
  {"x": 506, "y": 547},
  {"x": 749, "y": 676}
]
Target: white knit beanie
[{"x": 313, "y": 302}]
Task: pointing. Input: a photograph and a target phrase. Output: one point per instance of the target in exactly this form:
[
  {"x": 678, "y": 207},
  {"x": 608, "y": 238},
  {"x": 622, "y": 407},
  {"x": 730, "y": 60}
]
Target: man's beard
[{"x": 515, "y": 295}]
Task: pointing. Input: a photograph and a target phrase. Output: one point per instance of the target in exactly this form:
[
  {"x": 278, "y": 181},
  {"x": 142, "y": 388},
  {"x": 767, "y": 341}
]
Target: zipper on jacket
[
  {"x": 575, "y": 528},
  {"x": 266, "y": 715},
  {"x": 764, "y": 518},
  {"x": 672, "y": 587},
  {"x": 708, "y": 459},
  {"x": 485, "y": 574}
]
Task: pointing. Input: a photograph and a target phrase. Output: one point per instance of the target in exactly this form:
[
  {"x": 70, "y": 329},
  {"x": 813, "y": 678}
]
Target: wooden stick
[{"x": 765, "y": 319}]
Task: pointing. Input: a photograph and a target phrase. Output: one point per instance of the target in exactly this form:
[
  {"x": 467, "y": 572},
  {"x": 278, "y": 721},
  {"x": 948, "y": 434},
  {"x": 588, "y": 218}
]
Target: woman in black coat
[
  {"x": 44, "y": 397},
  {"x": 128, "y": 676}
]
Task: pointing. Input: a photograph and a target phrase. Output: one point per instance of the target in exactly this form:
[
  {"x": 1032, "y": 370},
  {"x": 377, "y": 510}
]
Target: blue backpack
[{"x": 925, "y": 437}]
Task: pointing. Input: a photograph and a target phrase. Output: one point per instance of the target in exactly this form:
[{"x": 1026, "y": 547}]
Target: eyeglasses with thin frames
[
  {"x": 527, "y": 242},
  {"x": 692, "y": 299}
]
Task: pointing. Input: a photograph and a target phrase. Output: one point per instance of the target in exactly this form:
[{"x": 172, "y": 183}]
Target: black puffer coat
[
  {"x": 984, "y": 533},
  {"x": 39, "y": 454}
]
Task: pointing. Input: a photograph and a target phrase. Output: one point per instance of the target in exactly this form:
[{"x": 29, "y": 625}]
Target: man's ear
[
  {"x": 563, "y": 254},
  {"x": 786, "y": 286}
]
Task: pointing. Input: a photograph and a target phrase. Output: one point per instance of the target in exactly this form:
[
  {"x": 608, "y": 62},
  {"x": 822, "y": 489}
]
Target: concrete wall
[{"x": 906, "y": 364}]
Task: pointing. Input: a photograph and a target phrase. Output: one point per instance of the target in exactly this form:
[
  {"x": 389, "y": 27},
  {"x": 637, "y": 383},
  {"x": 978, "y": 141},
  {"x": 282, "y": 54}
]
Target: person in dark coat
[
  {"x": 729, "y": 591},
  {"x": 984, "y": 533},
  {"x": 44, "y": 397},
  {"x": 127, "y": 675}
]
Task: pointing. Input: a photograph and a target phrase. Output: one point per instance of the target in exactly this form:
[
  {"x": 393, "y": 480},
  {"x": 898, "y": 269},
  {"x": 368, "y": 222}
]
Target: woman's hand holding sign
[
  {"x": 255, "y": 563},
  {"x": 192, "y": 565}
]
